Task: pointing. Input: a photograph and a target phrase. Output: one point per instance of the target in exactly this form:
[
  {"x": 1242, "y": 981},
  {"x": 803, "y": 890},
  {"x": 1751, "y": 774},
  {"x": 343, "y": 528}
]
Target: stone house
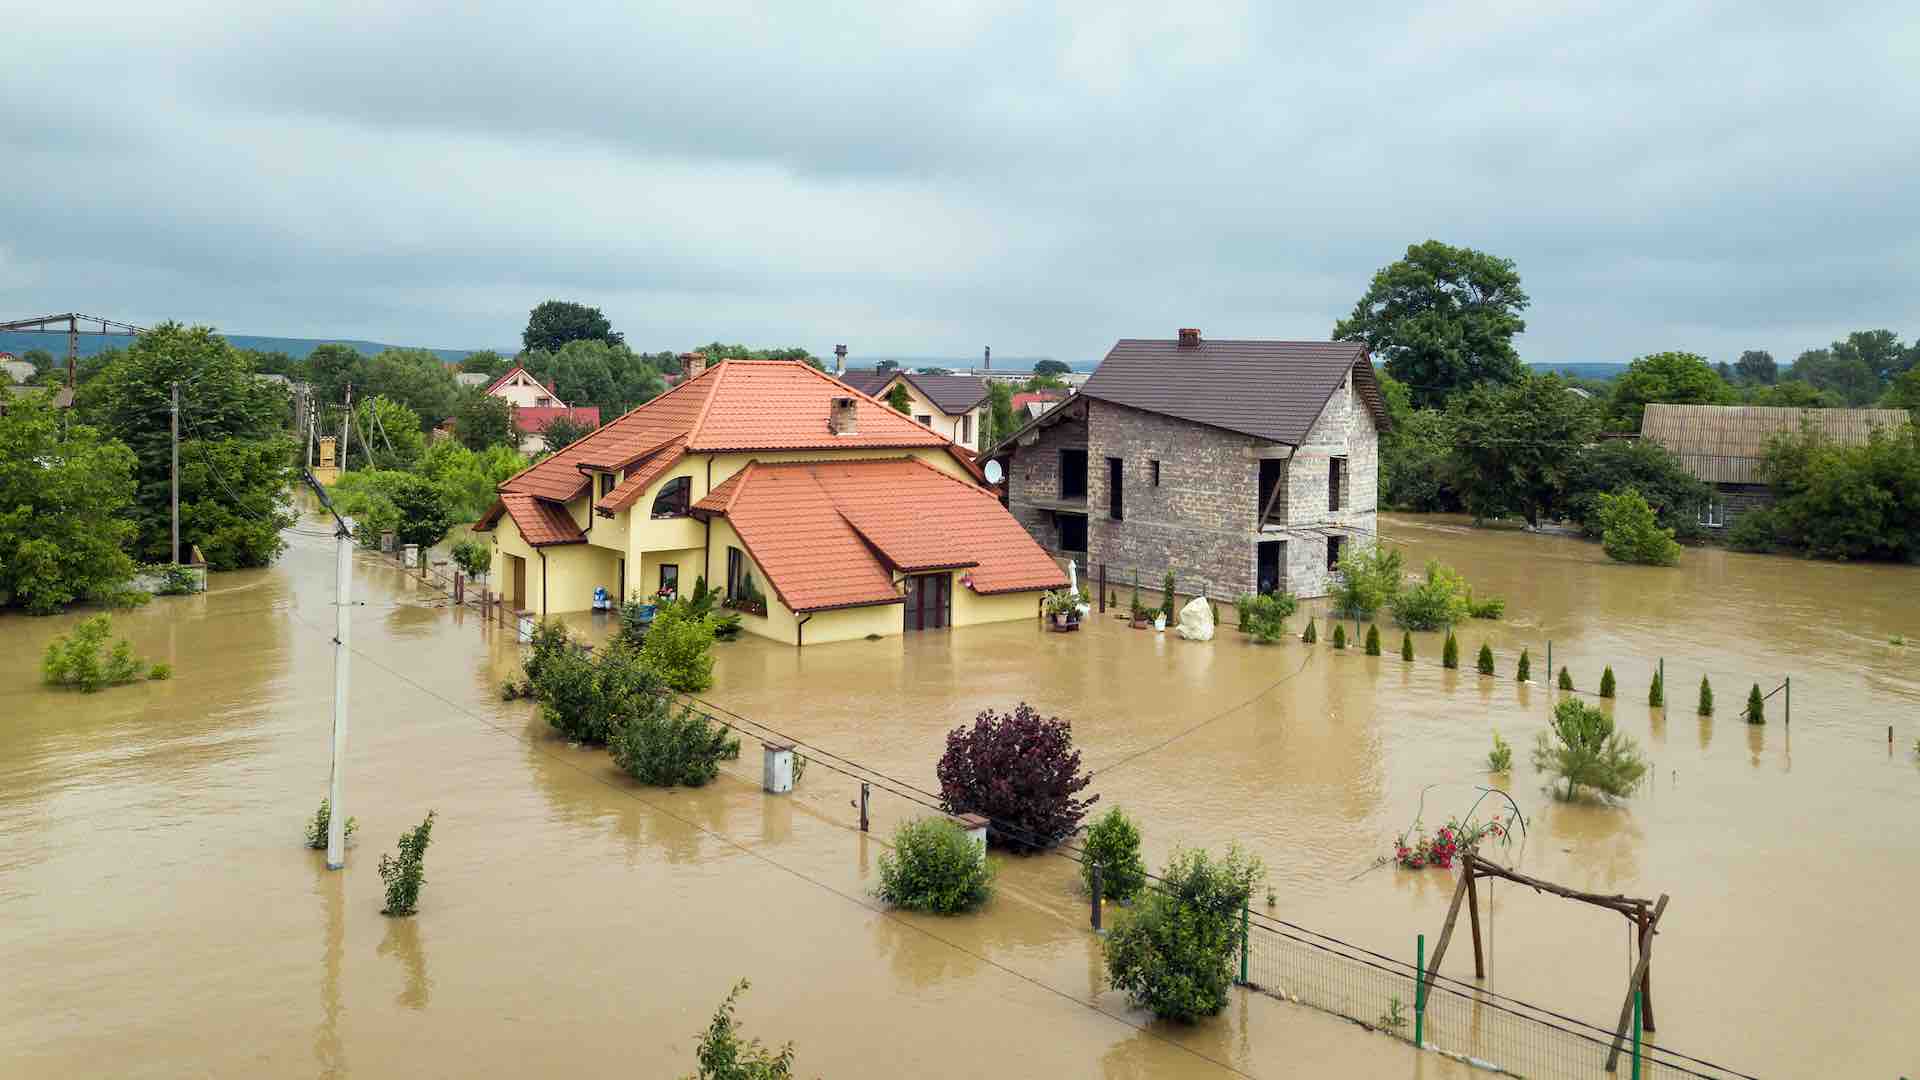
[
  {"x": 1724, "y": 445},
  {"x": 1237, "y": 465}
]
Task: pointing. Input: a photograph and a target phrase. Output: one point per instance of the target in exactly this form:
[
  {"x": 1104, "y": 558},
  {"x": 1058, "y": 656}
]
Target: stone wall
[
  {"x": 1033, "y": 473},
  {"x": 1345, "y": 428}
]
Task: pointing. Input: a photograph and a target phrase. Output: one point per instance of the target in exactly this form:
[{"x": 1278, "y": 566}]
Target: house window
[
  {"x": 1713, "y": 513},
  {"x": 543, "y": 401},
  {"x": 1154, "y": 470},
  {"x": 1116, "y": 489},
  {"x": 736, "y": 572},
  {"x": 1073, "y": 532},
  {"x": 1336, "y": 483},
  {"x": 1334, "y": 544},
  {"x": 606, "y": 483},
  {"x": 670, "y": 579},
  {"x": 924, "y": 421},
  {"x": 1073, "y": 474},
  {"x": 966, "y": 428},
  {"x": 1270, "y": 488},
  {"x": 675, "y": 499}
]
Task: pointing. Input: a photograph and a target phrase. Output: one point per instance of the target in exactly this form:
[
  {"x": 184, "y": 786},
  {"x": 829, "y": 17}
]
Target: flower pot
[{"x": 1063, "y": 624}]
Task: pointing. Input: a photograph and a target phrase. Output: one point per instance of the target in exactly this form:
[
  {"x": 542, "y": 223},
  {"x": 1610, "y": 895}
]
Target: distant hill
[
  {"x": 1601, "y": 370},
  {"x": 18, "y": 342}
]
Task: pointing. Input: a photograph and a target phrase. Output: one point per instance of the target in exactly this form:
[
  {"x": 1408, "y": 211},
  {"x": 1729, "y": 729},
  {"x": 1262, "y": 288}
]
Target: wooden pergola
[{"x": 1643, "y": 914}]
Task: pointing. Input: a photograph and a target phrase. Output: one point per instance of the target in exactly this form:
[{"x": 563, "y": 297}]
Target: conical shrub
[
  {"x": 1339, "y": 636},
  {"x": 1706, "y": 697},
  {"x": 1310, "y": 635},
  {"x": 1606, "y": 681},
  {"x": 1523, "y": 671},
  {"x": 1486, "y": 659},
  {"x": 1756, "y": 710},
  {"x": 1373, "y": 640},
  {"x": 1406, "y": 646},
  {"x": 1657, "y": 694},
  {"x": 1450, "y": 652},
  {"x": 1566, "y": 680}
]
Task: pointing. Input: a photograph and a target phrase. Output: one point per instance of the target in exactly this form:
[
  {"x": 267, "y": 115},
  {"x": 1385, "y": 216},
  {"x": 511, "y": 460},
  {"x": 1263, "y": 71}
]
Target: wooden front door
[
  {"x": 929, "y": 600},
  {"x": 519, "y": 582}
]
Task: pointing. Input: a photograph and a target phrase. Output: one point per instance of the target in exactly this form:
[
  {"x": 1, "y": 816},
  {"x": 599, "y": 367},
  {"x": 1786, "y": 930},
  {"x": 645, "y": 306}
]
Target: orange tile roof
[
  {"x": 541, "y": 523},
  {"x": 739, "y": 405},
  {"x": 640, "y": 479},
  {"x": 829, "y": 534}
]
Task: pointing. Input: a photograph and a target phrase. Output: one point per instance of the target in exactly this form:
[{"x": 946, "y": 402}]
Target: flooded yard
[{"x": 158, "y": 914}]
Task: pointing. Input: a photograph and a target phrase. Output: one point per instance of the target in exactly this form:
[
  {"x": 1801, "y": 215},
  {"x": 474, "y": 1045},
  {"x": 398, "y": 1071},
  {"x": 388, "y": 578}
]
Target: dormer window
[
  {"x": 606, "y": 484},
  {"x": 675, "y": 499}
]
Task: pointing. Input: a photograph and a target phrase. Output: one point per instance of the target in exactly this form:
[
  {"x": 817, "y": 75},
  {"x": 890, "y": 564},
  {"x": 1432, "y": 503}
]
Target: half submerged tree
[
  {"x": 1020, "y": 771},
  {"x": 405, "y": 872},
  {"x": 1339, "y": 636},
  {"x": 724, "y": 1055},
  {"x": 1175, "y": 954},
  {"x": 1582, "y": 748},
  {"x": 1373, "y": 640},
  {"x": 1566, "y": 678},
  {"x": 934, "y": 866},
  {"x": 1406, "y": 646},
  {"x": 1706, "y": 697},
  {"x": 1523, "y": 671},
  {"x": 1606, "y": 681},
  {"x": 1485, "y": 661},
  {"x": 1113, "y": 843},
  {"x": 1450, "y": 652},
  {"x": 1756, "y": 710},
  {"x": 1657, "y": 693}
]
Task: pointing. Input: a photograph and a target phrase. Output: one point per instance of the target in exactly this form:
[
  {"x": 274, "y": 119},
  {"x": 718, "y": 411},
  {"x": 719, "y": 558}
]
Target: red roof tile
[
  {"x": 741, "y": 405},
  {"x": 541, "y": 523},
  {"x": 828, "y": 533},
  {"x": 640, "y": 479},
  {"x": 1027, "y": 397},
  {"x": 533, "y": 419}
]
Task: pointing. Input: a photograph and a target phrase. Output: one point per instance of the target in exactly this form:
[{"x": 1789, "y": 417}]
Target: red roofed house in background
[
  {"x": 818, "y": 512},
  {"x": 535, "y": 406}
]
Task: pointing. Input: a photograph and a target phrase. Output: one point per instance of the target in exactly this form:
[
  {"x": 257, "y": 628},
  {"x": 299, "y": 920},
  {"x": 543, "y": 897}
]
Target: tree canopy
[
  {"x": 1517, "y": 444},
  {"x": 1756, "y": 368},
  {"x": 66, "y": 498},
  {"x": 554, "y": 323},
  {"x": 1677, "y": 378},
  {"x": 1442, "y": 319},
  {"x": 415, "y": 378},
  {"x": 481, "y": 421},
  {"x": 610, "y": 376},
  {"x": 562, "y": 432},
  {"x": 1051, "y": 367}
]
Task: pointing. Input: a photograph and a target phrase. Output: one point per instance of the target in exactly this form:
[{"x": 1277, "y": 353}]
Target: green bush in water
[
  {"x": 1114, "y": 844},
  {"x": 1756, "y": 710},
  {"x": 1373, "y": 640},
  {"x": 1485, "y": 661},
  {"x": 1706, "y": 697},
  {"x": 1606, "y": 681},
  {"x": 1339, "y": 636},
  {"x": 1406, "y": 646},
  {"x": 1450, "y": 652},
  {"x": 1523, "y": 671},
  {"x": 935, "y": 867}
]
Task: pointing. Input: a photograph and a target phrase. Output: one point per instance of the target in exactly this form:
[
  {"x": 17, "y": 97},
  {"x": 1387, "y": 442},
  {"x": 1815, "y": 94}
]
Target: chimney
[
  {"x": 839, "y": 359},
  {"x": 694, "y": 363},
  {"x": 1189, "y": 339},
  {"x": 845, "y": 416}
]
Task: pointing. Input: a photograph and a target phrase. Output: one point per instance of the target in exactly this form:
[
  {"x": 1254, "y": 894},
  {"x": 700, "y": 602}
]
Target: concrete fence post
[{"x": 866, "y": 793}]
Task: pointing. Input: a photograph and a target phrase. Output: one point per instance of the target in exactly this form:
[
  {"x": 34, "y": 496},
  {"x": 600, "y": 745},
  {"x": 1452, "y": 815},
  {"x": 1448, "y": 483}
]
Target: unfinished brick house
[{"x": 1238, "y": 465}]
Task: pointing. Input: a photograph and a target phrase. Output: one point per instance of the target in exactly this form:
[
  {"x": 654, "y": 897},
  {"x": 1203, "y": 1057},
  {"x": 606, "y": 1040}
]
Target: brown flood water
[{"x": 158, "y": 915}]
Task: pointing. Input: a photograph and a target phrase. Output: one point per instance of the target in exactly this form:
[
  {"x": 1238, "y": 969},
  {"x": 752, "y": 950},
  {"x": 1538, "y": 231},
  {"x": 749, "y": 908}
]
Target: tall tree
[
  {"x": 66, "y": 492},
  {"x": 482, "y": 421},
  {"x": 485, "y": 362},
  {"x": 331, "y": 367},
  {"x": 1518, "y": 445},
  {"x": 1878, "y": 350},
  {"x": 1844, "y": 372},
  {"x": 1442, "y": 319},
  {"x": 612, "y": 377},
  {"x": 1000, "y": 419},
  {"x": 554, "y": 323},
  {"x": 1051, "y": 367},
  {"x": 220, "y": 403},
  {"x": 1670, "y": 378},
  {"x": 1756, "y": 368},
  {"x": 415, "y": 378},
  {"x": 562, "y": 432}
]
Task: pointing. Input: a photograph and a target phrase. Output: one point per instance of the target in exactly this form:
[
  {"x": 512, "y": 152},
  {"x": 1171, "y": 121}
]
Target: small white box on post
[
  {"x": 410, "y": 555},
  {"x": 525, "y": 622},
  {"x": 976, "y": 829},
  {"x": 776, "y": 769}
]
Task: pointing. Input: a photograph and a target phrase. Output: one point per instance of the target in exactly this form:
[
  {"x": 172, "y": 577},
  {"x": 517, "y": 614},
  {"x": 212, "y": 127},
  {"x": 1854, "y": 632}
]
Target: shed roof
[
  {"x": 1725, "y": 444},
  {"x": 1268, "y": 389}
]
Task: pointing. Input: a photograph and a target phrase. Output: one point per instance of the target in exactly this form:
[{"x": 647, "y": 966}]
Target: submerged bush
[
  {"x": 1491, "y": 608},
  {"x": 1406, "y": 646},
  {"x": 1367, "y": 580},
  {"x": 679, "y": 647},
  {"x": 1450, "y": 652},
  {"x": 1631, "y": 534},
  {"x": 1339, "y": 636},
  {"x": 1523, "y": 671},
  {"x": 1020, "y": 771},
  {"x": 1264, "y": 617},
  {"x": 1500, "y": 758},
  {"x": 1656, "y": 693},
  {"x": 1606, "y": 681},
  {"x": 1310, "y": 635},
  {"x": 1582, "y": 748},
  {"x": 1566, "y": 679},
  {"x": 1373, "y": 640},
  {"x": 1114, "y": 844},
  {"x": 406, "y": 871},
  {"x": 322, "y": 820},
  {"x": 659, "y": 745},
  {"x": 1756, "y": 710},
  {"x": 1175, "y": 954},
  {"x": 1485, "y": 662},
  {"x": 587, "y": 697},
  {"x": 161, "y": 672},
  {"x": 935, "y": 867},
  {"x": 1440, "y": 600},
  {"x": 1706, "y": 697},
  {"x": 1755, "y": 531},
  {"x": 74, "y": 659},
  {"x": 723, "y": 1055}
]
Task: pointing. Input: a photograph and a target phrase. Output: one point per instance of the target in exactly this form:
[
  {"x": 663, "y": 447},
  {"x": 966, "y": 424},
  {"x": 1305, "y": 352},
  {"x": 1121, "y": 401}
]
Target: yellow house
[{"x": 821, "y": 514}]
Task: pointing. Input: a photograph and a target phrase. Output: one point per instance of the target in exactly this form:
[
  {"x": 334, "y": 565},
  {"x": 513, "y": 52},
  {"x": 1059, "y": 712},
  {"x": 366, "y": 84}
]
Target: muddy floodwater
[{"x": 159, "y": 915}]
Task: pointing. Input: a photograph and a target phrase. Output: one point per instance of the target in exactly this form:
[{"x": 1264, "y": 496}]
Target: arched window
[{"x": 675, "y": 499}]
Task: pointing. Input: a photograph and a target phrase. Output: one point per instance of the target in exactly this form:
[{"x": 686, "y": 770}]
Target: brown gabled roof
[
  {"x": 1725, "y": 444},
  {"x": 541, "y": 523},
  {"x": 830, "y": 534},
  {"x": 1268, "y": 389},
  {"x": 951, "y": 394}
]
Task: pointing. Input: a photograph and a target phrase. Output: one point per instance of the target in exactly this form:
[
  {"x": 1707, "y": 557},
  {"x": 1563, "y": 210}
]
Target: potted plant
[{"x": 1063, "y": 610}]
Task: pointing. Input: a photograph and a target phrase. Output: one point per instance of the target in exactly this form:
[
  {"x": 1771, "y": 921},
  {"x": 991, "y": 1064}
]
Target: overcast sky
[{"x": 925, "y": 179}]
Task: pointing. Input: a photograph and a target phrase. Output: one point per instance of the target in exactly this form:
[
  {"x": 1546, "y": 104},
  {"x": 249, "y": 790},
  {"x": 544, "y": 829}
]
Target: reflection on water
[
  {"x": 403, "y": 940},
  {"x": 329, "y": 1052}
]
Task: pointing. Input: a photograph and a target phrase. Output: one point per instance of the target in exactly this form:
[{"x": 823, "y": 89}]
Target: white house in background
[
  {"x": 953, "y": 405},
  {"x": 535, "y": 406}
]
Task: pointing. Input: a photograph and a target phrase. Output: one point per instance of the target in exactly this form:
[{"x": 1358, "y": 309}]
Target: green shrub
[
  {"x": 1630, "y": 534},
  {"x": 1706, "y": 697},
  {"x": 1264, "y": 617},
  {"x": 177, "y": 580},
  {"x": 935, "y": 867},
  {"x": 1339, "y": 636},
  {"x": 1373, "y": 640},
  {"x": 1500, "y": 759},
  {"x": 1582, "y": 748},
  {"x": 1485, "y": 661},
  {"x": 1606, "y": 681},
  {"x": 1176, "y": 953},
  {"x": 1450, "y": 652},
  {"x": 1756, "y": 710},
  {"x": 74, "y": 659},
  {"x": 726, "y": 625},
  {"x": 667, "y": 747},
  {"x": 1657, "y": 693},
  {"x": 1406, "y": 646},
  {"x": 1756, "y": 530},
  {"x": 1310, "y": 635},
  {"x": 1566, "y": 679},
  {"x": 1114, "y": 843},
  {"x": 1491, "y": 608},
  {"x": 1367, "y": 580},
  {"x": 1440, "y": 600},
  {"x": 406, "y": 871},
  {"x": 322, "y": 820},
  {"x": 679, "y": 648},
  {"x": 1523, "y": 671},
  {"x": 472, "y": 557},
  {"x": 723, "y": 1055},
  {"x": 1166, "y": 599},
  {"x": 161, "y": 672}
]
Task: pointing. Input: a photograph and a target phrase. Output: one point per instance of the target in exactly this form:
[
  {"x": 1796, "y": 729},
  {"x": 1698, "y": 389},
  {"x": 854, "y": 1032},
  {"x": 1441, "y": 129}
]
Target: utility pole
[
  {"x": 346, "y": 422},
  {"x": 174, "y": 424},
  {"x": 342, "y": 603}
]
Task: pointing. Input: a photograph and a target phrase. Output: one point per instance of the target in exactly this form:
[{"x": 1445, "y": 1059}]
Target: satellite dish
[{"x": 994, "y": 472}]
